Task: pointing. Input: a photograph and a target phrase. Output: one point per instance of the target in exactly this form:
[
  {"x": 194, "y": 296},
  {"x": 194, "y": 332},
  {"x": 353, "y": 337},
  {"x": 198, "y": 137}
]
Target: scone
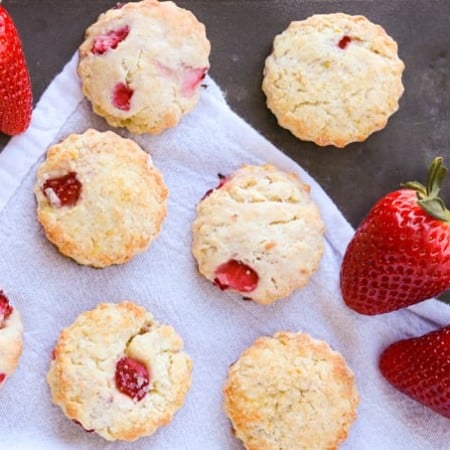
[
  {"x": 99, "y": 198},
  {"x": 258, "y": 233},
  {"x": 141, "y": 65},
  {"x": 11, "y": 331},
  {"x": 333, "y": 78},
  {"x": 290, "y": 392},
  {"x": 118, "y": 372}
]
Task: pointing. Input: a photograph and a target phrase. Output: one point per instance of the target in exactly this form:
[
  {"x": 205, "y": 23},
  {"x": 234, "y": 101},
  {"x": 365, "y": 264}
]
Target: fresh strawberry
[
  {"x": 16, "y": 99},
  {"x": 236, "y": 275},
  {"x": 400, "y": 254},
  {"x": 420, "y": 367}
]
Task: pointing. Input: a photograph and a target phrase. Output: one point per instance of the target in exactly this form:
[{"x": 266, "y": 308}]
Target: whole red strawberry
[
  {"x": 400, "y": 254},
  {"x": 420, "y": 367},
  {"x": 16, "y": 100}
]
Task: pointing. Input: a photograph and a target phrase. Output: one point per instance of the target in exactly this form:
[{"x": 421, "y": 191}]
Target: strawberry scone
[
  {"x": 333, "y": 78},
  {"x": 258, "y": 233},
  {"x": 290, "y": 392},
  {"x": 99, "y": 198},
  {"x": 11, "y": 331},
  {"x": 118, "y": 372},
  {"x": 142, "y": 64}
]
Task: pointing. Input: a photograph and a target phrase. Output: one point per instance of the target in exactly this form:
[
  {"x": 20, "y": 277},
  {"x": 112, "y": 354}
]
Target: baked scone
[
  {"x": 333, "y": 78},
  {"x": 11, "y": 331},
  {"x": 118, "y": 372},
  {"x": 99, "y": 198},
  {"x": 258, "y": 233},
  {"x": 290, "y": 392},
  {"x": 142, "y": 63}
]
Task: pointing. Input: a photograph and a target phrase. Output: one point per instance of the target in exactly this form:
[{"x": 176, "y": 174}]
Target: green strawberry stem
[{"x": 428, "y": 196}]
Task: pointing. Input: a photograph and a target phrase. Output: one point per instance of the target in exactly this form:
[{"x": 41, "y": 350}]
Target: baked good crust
[
  {"x": 290, "y": 392},
  {"x": 329, "y": 95},
  {"x": 264, "y": 218},
  {"x": 122, "y": 204},
  {"x": 81, "y": 375},
  {"x": 163, "y": 40}
]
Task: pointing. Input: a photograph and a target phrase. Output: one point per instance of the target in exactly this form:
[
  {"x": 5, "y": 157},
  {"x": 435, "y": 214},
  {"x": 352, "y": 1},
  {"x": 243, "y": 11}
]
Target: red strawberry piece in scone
[
  {"x": 11, "y": 331},
  {"x": 62, "y": 191},
  {"x": 223, "y": 179},
  {"x": 118, "y": 372},
  {"x": 258, "y": 233},
  {"x": 132, "y": 378},
  {"x": 109, "y": 40},
  {"x": 236, "y": 275},
  {"x": 5, "y": 308},
  {"x": 141, "y": 65},
  {"x": 192, "y": 77},
  {"x": 121, "y": 96}
]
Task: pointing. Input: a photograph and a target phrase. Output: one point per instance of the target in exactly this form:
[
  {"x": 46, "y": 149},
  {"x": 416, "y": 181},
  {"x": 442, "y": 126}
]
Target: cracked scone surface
[
  {"x": 120, "y": 203},
  {"x": 290, "y": 392},
  {"x": 141, "y": 65},
  {"x": 263, "y": 219},
  {"x": 82, "y": 375},
  {"x": 11, "y": 338},
  {"x": 333, "y": 78}
]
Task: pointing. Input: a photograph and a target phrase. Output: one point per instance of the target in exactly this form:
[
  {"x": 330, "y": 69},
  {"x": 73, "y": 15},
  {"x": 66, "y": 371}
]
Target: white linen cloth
[{"x": 51, "y": 290}]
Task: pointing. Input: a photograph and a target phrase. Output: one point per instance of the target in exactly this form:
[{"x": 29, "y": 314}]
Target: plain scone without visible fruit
[
  {"x": 333, "y": 78},
  {"x": 118, "y": 372},
  {"x": 99, "y": 198},
  {"x": 141, "y": 65},
  {"x": 290, "y": 392}
]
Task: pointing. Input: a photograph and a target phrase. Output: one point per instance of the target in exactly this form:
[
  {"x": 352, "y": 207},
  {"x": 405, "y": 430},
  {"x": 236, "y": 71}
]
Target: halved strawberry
[
  {"x": 132, "y": 378},
  {"x": 16, "y": 98},
  {"x": 236, "y": 275},
  {"x": 420, "y": 368}
]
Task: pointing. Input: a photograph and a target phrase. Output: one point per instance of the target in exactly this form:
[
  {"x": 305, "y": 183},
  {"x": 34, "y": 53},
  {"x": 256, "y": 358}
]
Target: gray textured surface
[{"x": 241, "y": 33}]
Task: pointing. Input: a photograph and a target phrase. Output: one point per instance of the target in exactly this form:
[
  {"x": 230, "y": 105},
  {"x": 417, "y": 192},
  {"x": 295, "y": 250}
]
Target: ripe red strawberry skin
[
  {"x": 420, "y": 368},
  {"x": 16, "y": 99},
  {"x": 398, "y": 256}
]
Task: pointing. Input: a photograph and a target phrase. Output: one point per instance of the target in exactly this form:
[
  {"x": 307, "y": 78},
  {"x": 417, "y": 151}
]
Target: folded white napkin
[{"x": 51, "y": 290}]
